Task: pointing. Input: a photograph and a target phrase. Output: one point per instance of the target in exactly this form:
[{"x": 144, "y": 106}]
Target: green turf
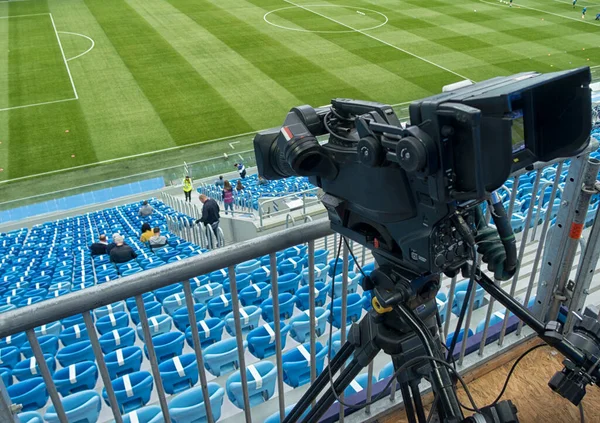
[{"x": 167, "y": 74}]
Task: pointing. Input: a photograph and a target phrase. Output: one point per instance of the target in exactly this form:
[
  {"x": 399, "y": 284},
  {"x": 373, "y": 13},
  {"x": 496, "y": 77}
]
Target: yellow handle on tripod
[{"x": 379, "y": 308}]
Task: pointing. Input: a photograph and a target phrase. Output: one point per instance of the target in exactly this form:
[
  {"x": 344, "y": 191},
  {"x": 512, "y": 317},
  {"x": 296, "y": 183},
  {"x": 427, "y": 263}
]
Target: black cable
[{"x": 581, "y": 413}]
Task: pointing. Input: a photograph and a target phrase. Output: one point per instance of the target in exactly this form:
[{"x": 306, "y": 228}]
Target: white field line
[
  {"x": 542, "y": 11},
  {"x": 79, "y": 35},
  {"x": 64, "y": 57},
  {"x": 23, "y": 16},
  {"x": 36, "y": 104},
  {"x": 579, "y": 1},
  {"x": 377, "y": 39}
]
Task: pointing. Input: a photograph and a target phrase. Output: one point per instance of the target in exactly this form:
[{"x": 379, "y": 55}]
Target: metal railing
[{"x": 29, "y": 318}]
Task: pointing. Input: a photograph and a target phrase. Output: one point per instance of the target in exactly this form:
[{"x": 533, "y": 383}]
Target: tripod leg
[
  {"x": 416, "y": 394},
  {"x": 408, "y": 403},
  {"x": 328, "y": 398},
  {"x": 320, "y": 383}
]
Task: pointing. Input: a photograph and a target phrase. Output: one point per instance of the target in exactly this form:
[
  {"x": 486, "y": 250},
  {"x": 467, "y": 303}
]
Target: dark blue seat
[
  {"x": 29, "y": 368},
  {"x": 209, "y": 331},
  {"x": 286, "y": 307},
  {"x": 181, "y": 317},
  {"x": 75, "y": 353},
  {"x": 48, "y": 344},
  {"x": 112, "y": 322},
  {"x": 31, "y": 394},
  {"x": 179, "y": 373},
  {"x": 255, "y": 294},
  {"x": 75, "y": 378},
  {"x": 296, "y": 364},
  {"x": 189, "y": 405},
  {"x": 73, "y": 334},
  {"x": 242, "y": 281},
  {"x": 303, "y": 296},
  {"x": 132, "y": 391},
  {"x": 118, "y": 338},
  {"x": 261, "y": 378},
  {"x": 249, "y": 317},
  {"x": 124, "y": 360},
  {"x": 220, "y": 306},
  {"x": 167, "y": 345},
  {"x": 261, "y": 341},
  {"x": 82, "y": 407}
]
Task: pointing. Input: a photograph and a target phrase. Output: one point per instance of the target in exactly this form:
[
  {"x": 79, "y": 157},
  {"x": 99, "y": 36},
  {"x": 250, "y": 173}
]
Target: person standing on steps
[
  {"x": 228, "y": 196},
  {"x": 187, "y": 188}
]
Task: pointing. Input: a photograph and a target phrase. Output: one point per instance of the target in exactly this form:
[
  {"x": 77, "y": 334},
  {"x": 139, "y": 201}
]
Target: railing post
[
  {"x": 8, "y": 411},
  {"x": 277, "y": 328},
  {"x": 311, "y": 309}
]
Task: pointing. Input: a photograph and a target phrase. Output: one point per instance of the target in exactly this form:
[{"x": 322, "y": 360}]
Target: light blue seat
[
  {"x": 387, "y": 371},
  {"x": 261, "y": 379},
  {"x": 148, "y": 414},
  {"x": 353, "y": 310},
  {"x": 118, "y": 338},
  {"x": 158, "y": 324},
  {"x": 222, "y": 357},
  {"x": 29, "y": 368},
  {"x": 460, "y": 293},
  {"x": 209, "y": 331},
  {"x": 358, "y": 384},
  {"x": 75, "y": 333},
  {"x": 303, "y": 296},
  {"x": 289, "y": 282},
  {"x": 188, "y": 407},
  {"x": 262, "y": 274},
  {"x": 6, "y": 375},
  {"x": 179, "y": 373},
  {"x": 249, "y": 317},
  {"x": 291, "y": 265},
  {"x": 218, "y": 276},
  {"x": 30, "y": 417},
  {"x": 82, "y": 407},
  {"x": 16, "y": 340},
  {"x": 301, "y": 326},
  {"x": 146, "y": 297},
  {"x": 286, "y": 307},
  {"x": 75, "y": 378},
  {"x": 112, "y": 322},
  {"x": 48, "y": 344},
  {"x": 124, "y": 360},
  {"x": 140, "y": 388},
  {"x": 75, "y": 353},
  {"x": 53, "y": 328},
  {"x": 339, "y": 264},
  {"x": 353, "y": 281},
  {"x": 296, "y": 251},
  {"x": 31, "y": 394},
  {"x": 321, "y": 273},
  {"x": 7, "y": 307},
  {"x": 181, "y": 317},
  {"x": 207, "y": 292},
  {"x": 247, "y": 267},
  {"x": 173, "y": 302},
  {"x": 243, "y": 280},
  {"x": 261, "y": 341},
  {"x": 220, "y": 306},
  {"x": 153, "y": 308},
  {"x": 336, "y": 341},
  {"x": 167, "y": 345},
  {"x": 111, "y": 308},
  {"x": 255, "y": 294},
  {"x": 164, "y": 292},
  {"x": 296, "y": 367},
  {"x": 276, "y": 418},
  {"x": 442, "y": 305}
]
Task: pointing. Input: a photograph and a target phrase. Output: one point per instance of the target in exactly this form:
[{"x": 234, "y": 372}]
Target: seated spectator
[
  {"x": 262, "y": 181},
  {"x": 157, "y": 240},
  {"x": 220, "y": 182},
  {"x": 146, "y": 209},
  {"x": 239, "y": 187},
  {"x": 146, "y": 232},
  {"x": 121, "y": 252},
  {"x": 99, "y": 248},
  {"x": 112, "y": 244}
]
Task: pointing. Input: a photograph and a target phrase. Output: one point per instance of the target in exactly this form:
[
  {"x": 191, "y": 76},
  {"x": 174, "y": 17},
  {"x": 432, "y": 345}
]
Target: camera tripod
[{"x": 403, "y": 324}]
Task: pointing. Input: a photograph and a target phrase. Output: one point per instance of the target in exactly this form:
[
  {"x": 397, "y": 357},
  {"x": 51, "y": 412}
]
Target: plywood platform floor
[{"x": 529, "y": 391}]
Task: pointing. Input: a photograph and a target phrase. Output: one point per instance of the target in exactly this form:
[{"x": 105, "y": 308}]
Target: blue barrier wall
[{"x": 80, "y": 200}]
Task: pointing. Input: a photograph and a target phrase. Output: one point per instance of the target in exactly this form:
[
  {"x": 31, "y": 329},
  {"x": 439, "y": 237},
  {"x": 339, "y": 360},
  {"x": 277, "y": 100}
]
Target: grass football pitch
[{"x": 110, "y": 87}]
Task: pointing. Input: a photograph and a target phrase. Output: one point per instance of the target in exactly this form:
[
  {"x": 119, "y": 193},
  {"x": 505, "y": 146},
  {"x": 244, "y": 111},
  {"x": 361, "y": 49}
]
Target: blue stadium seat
[
  {"x": 16, "y": 340},
  {"x": 148, "y": 414},
  {"x": 48, "y": 344},
  {"x": 132, "y": 391},
  {"x": 31, "y": 394},
  {"x": 352, "y": 284},
  {"x": 167, "y": 345},
  {"x": 460, "y": 293},
  {"x": 353, "y": 310},
  {"x": 163, "y": 293},
  {"x": 179, "y": 373},
  {"x": 158, "y": 324},
  {"x": 146, "y": 297},
  {"x": 222, "y": 357},
  {"x": 301, "y": 326},
  {"x": 296, "y": 364},
  {"x": 113, "y": 321},
  {"x": 321, "y": 257},
  {"x": 188, "y": 407},
  {"x": 495, "y": 318},
  {"x": 124, "y": 360},
  {"x": 321, "y": 273},
  {"x": 255, "y": 294},
  {"x": 197, "y": 282},
  {"x": 266, "y": 259},
  {"x": 303, "y": 296},
  {"x": 220, "y": 306},
  {"x": 336, "y": 341},
  {"x": 82, "y": 407},
  {"x": 29, "y": 368},
  {"x": 75, "y": 333},
  {"x": 53, "y": 328},
  {"x": 358, "y": 384},
  {"x": 289, "y": 282},
  {"x": 296, "y": 251},
  {"x": 173, "y": 302},
  {"x": 286, "y": 307},
  {"x": 460, "y": 336},
  {"x": 118, "y": 338},
  {"x": 75, "y": 353},
  {"x": 247, "y": 267},
  {"x": 181, "y": 317},
  {"x": 243, "y": 280},
  {"x": 77, "y": 319},
  {"x": 249, "y": 317},
  {"x": 75, "y": 378},
  {"x": 339, "y": 264},
  {"x": 30, "y": 417},
  {"x": 209, "y": 330},
  {"x": 108, "y": 309},
  {"x": 442, "y": 305},
  {"x": 291, "y": 265},
  {"x": 218, "y": 276},
  {"x": 6, "y": 375},
  {"x": 262, "y": 274},
  {"x": 207, "y": 292},
  {"x": 261, "y": 341},
  {"x": 261, "y": 379},
  {"x": 153, "y": 308}
]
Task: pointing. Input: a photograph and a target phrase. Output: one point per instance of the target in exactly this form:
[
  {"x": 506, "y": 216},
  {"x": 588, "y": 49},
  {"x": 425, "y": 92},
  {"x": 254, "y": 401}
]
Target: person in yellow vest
[{"x": 187, "y": 188}]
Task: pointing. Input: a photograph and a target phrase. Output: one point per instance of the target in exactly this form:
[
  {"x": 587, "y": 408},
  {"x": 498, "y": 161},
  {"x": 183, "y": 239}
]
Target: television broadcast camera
[{"x": 412, "y": 194}]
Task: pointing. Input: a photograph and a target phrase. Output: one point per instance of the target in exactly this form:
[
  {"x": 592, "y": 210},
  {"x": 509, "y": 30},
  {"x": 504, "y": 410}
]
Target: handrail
[{"x": 54, "y": 309}]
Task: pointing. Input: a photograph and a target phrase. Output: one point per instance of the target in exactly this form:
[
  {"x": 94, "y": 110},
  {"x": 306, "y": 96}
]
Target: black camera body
[{"x": 410, "y": 193}]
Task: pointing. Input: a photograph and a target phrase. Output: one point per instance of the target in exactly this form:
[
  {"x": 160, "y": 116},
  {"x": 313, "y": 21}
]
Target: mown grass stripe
[
  {"x": 188, "y": 106},
  {"x": 306, "y": 80},
  {"x": 121, "y": 120},
  {"x": 4, "y": 141}
]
